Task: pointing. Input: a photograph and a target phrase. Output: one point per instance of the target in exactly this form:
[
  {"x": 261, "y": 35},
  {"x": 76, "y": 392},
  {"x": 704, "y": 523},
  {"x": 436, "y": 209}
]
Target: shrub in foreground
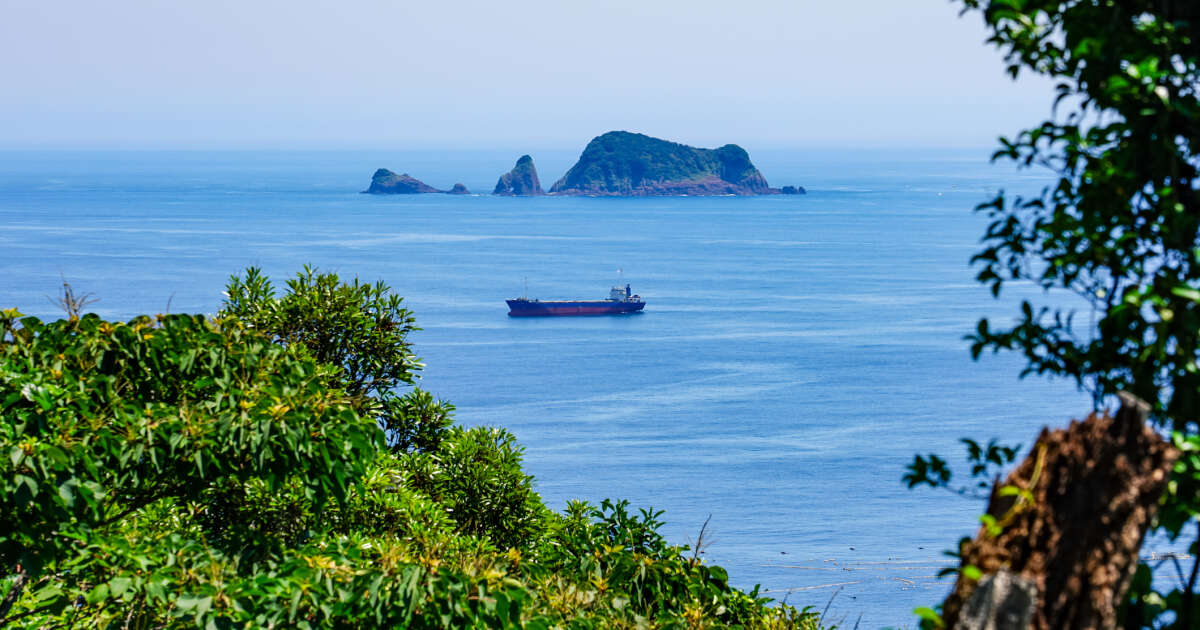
[{"x": 179, "y": 471}]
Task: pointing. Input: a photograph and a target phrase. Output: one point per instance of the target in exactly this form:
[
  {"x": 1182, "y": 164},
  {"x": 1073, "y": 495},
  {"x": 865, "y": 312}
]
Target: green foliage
[
  {"x": 476, "y": 473},
  {"x": 625, "y": 573},
  {"x": 361, "y": 328},
  {"x": 620, "y": 161},
  {"x": 985, "y": 461},
  {"x": 104, "y": 419},
  {"x": 1120, "y": 228},
  {"x": 234, "y": 473},
  {"x": 931, "y": 619},
  {"x": 415, "y": 421}
]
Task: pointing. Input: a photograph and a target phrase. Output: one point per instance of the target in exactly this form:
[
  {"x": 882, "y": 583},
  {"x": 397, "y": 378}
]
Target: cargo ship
[{"x": 619, "y": 302}]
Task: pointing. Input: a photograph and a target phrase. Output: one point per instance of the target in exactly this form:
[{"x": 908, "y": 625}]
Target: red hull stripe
[{"x": 550, "y": 309}]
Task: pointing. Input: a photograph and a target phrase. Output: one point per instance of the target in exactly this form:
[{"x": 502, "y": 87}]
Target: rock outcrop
[
  {"x": 385, "y": 182},
  {"x": 793, "y": 190},
  {"x": 458, "y": 189},
  {"x": 620, "y": 163},
  {"x": 521, "y": 181}
]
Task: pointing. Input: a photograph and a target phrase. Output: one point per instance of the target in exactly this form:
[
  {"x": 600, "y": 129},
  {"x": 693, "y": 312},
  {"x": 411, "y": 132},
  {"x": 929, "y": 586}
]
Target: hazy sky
[{"x": 499, "y": 74}]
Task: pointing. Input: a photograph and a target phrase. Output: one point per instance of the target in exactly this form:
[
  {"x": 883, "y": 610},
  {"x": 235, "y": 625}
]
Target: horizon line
[{"x": 339, "y": 148}]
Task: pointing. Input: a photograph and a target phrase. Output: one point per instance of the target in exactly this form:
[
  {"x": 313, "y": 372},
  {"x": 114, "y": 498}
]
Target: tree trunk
[{"x": 1071, "y": 522}]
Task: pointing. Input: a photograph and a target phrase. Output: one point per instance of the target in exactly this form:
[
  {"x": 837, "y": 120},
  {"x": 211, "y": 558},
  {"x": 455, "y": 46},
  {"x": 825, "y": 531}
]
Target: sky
[{"x": 346, "y": 74}]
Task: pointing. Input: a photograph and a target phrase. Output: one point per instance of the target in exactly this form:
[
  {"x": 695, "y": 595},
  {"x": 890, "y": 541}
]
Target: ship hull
[{"x": 529, "y": 308}]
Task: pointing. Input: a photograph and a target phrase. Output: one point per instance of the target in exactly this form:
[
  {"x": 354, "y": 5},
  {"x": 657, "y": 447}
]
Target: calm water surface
[{"x": 794, "y": 354}]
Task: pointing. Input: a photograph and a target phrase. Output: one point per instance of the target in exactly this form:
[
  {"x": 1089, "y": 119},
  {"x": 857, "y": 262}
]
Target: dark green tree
[
  {"x": 1120, "y": 228},
  {"x": 362, "y": 329}
]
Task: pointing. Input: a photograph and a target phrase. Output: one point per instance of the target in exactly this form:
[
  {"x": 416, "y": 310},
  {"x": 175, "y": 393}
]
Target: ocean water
[{"x": 795, "y": 352}]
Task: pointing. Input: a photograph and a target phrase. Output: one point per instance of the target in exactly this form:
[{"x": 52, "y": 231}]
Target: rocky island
[
  {"x": 385, "y": 182},
  {"x": 620, "y": 163},
  {"x": 521, "y": 181}
]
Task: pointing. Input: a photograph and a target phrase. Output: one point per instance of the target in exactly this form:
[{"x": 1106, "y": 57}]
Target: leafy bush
[
  {"x": 362, "y": 329},
  {"x": 101, "y": 420},
  {"x": 248, "y": 471},
  {"x": 416, "y": 421},
  {"x": 624, "y": 571},
  {"x": 476, "y": 474}
]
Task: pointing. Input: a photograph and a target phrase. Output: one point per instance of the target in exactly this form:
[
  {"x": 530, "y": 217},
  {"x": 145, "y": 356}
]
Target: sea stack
[
  {"x": 521, "y": 181},
  {"x": 385, "y": 182},
  {"x": 458, "y": 189},
  {"x": 793, "y": 190},
  {"x": 624, "y": 164}
]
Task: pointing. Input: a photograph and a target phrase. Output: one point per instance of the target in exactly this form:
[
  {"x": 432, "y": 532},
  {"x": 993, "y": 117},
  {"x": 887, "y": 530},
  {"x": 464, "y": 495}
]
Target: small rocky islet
[
  {"x": 521, "y": 181},
  {"x": 385, "y": 182},
  {"x": 621, "y": 164}
]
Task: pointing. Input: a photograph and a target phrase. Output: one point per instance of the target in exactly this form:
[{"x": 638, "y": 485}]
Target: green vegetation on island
[
  {"x": 620, "y": 163},
  {"x": 385, "y": 182},
  {"x": 275, "y": 466}
]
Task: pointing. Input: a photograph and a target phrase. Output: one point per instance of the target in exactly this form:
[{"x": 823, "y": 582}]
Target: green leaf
[
  {"x": 118, "y": 585},
  {"x": 930, "y": 615},
  {"x": 98, "y": 594},
  {"x": 1187, "y": 293}
]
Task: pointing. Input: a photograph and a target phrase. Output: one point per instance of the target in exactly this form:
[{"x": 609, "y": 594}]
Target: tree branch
[
  {"x": 25, "y": 614},
  {"x": 13, "y": 593}
]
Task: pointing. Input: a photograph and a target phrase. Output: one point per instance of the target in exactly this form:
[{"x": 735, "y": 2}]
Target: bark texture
[{"x": 1087, "y": 495}]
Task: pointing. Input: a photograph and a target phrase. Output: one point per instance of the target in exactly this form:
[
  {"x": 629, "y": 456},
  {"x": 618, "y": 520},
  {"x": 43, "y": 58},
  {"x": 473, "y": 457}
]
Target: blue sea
[{"x": 794, "y": 354}]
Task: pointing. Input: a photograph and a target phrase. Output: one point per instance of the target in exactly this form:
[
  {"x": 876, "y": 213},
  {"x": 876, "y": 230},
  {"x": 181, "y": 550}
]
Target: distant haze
[{"x": 485, "y": 74}]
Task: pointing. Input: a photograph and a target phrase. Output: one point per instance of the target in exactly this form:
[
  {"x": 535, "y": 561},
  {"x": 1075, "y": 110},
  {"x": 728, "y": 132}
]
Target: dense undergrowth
[{"x": 274, "y": 466}]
